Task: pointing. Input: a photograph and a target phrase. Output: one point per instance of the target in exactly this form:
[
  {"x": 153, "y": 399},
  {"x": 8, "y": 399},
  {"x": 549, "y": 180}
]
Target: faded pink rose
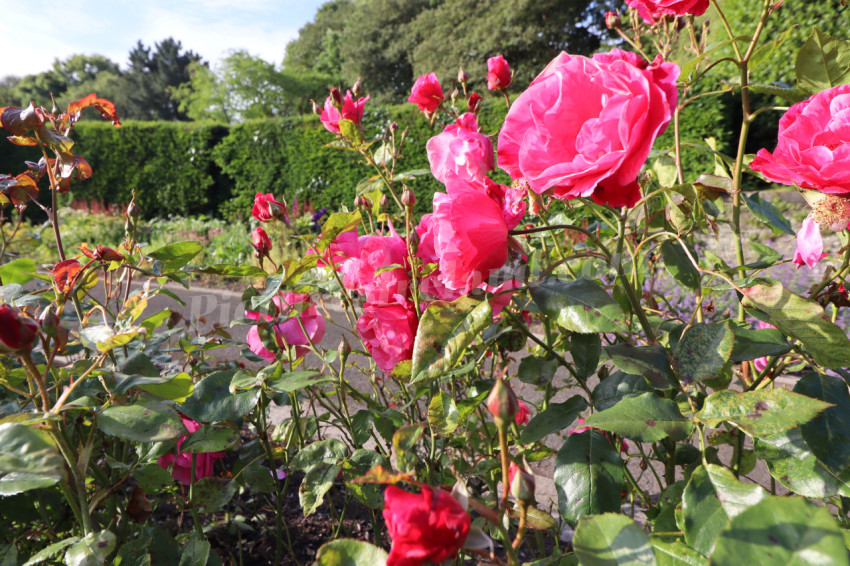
[
  {"x": 300, "y": 312},
  {"x": 368, "y": 270},
  {"x": 652, "y": 10},
  {"x": 182, "y": 461},
  {"x": 461, "y": 151},
  {"x": 499, "y": 75},
  {"x": 809, "y": 244},
  {"x": 584, "y": 127},
  {"x": 427, "y": 93},
  {"x": 813, "y": 149},
  {"x": 351, "y": 110},
  {"x": 388, "y": 332},
  {"x": 470, "y": 237}
]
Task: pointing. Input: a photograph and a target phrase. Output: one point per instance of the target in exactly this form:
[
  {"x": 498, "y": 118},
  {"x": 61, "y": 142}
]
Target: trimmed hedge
[{"x": 190, "y": 168}]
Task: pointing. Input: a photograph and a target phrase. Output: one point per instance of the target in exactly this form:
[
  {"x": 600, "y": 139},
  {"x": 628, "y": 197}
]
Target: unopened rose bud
[
  {"x": 473, "y": 103},
  {"x": 336, "y": 97},
  {"x": 317, "y": 110},
  {"x": 612, "y": 20},
  {"x": 344, "y": 349},
  {"x": 502, "y": 403},
  {"x": 394, "y": 126},
  {"x": 17, "y": 332},
  {"x": 385, "y": 202},
  {"x": 133, "y": 209},
  {"x": 366, "y": 202},
  {"x": 358, "y": 202},
  {"x": 462, "y": 77},
  {"x": 522, "y": 484},
  {"x": 261, "y": 241},
  {"x": 49, "y": 322},
  {"x": 356, "y": 89},
  {"x": 105, "y": 253},
  {"x": 408, "y": 197}
]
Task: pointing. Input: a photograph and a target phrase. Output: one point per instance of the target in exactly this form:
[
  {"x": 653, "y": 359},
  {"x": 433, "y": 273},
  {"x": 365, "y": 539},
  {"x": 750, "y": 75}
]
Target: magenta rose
[
  {"x": 427, "y": 93},
  {"x": 261, "y": 241},
  {"x": 425, "y": 528},
  {"x": 461, "y": 151},
  {"x": 470, "y": 237},
  {"x": 368, "y": 272},
  {"x": 652, "y": 10},
  {"x": 267, "y": 208},
  {"x": 584, "y": 127},
  {"x": 181, "y": 463},
  {"x": 351, "y": 110},
  {"x": 813, "y": 149},
  {"x": 388, "y": 332},
  {"x": 302, "y": 317},
  {"x": 499, "y": 75}
]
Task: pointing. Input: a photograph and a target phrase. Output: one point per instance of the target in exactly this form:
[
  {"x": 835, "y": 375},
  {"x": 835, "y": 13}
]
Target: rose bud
[
  {"x": 498, "y": 73},
  {"x": 502, "y": 403},
  {"x": 317, "y": 110},
  {"x": 612, "y": 20},
  {"x": 427, "y": 93},
  {"x": 356, "y": 89},
  {"x": 17, "y": 332},
  {"x": 408, "y": 197},
  {"x": 261, "y": 241},
  {"x": 336, "y": 97},
  {"x": 473, "y": 103},
  {"x": 462, "y": 77},
  {"x": 104, "y": 253},
  {"x": 385, "y": 202},
  {"x": 521, "y": 482}
]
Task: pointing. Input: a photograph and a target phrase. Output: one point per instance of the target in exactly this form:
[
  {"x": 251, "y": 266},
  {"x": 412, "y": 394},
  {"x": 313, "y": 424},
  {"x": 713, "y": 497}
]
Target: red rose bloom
[
  {"x": 425, "y": 527},
  {"x": 17, "y": 332},
  {"x": 426, "y": 93}
]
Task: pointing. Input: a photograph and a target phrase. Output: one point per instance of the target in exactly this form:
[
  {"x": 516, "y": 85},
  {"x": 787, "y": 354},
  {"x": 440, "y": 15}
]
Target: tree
[
  {"x": 318, "y": 45},
  {"x": 154, "y": 73}
]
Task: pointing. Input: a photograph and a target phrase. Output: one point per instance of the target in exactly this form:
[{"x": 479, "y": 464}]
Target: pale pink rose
[
  {"x": 584, "y": 127},
  {"x": 760, "y": 363},
  {"x": 363, "y": 272},
  {"x": 461, "y": 151},
  {"x": 499, "y": 75},
  {"x": 182, "y": 461},
  {"x": 351, "y": 110},
  {"x": 813, "y": 149},
  {"x": 388, "y": 332},
  {"x": 427, "y": 93},
  {"x": 809, "y": 244},
  {"x": 652, "y": 10},
  {"x": 523, "y": 414},
  {"x": 470, "y": 237},
  {"x": 300, "y": 312}
]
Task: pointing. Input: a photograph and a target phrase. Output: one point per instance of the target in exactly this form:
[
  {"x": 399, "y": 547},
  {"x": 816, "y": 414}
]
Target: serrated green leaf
[
  {"x": 612, "y": 540},
  {"x": 445, "y": 330},
  {"x": 617, "y": 386},
  {"x": 647, "y": 361},
  {"x": 556, "y": 417},
  {"x": 579, "y": 306},
  {"x": 828, "y": 434},
  {"x": 24, "y": 449},
  {"x": 18, "y": 482},
  {"x": 211, "y": 494},
  {"x": 50, "y": 551},
  {"x": 704, "y": 352},
  {"x": 823, "y": 62},
  {"x": 752, "y": 344},
  {"x": 336, "y": 224},
  {"x": 676, "y": 553},
  {"x": 679, "y": 265},
  {"x": 802, "y": 319},
  {"x": 585, "y": 350},
  {"x": 443, "y": 414},
  {"x": 211, "y": 401},
  {"x": 760, "y": 413},
  {"x": 329, "y": 451},
  {"x": 317, "y": 481},
  {"x": 645, "y": 418},
  {"x": 211, "y": 438},
  {"x": 176, "y": 255},
  {"x": 141, "y": 422},
  {"x": 349, "y": 552}
]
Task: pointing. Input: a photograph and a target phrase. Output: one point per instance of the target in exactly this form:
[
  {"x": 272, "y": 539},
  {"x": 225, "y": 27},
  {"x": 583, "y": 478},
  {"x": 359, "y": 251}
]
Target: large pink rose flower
[
  {"x": 301, "y": 311},
  {"x": 362, "y": 272},
  {"x": 652, "y": 10},
  {"x": 182, "y": 461},
  {"x": 584, "y": 127},
  {"x": 470, "y": 237},
  {"x": 388, "y": 332},
  {"x": 813, "y": 151},
  {"x": 351, "y": 110},
  {"x": 461, "y": 151}
]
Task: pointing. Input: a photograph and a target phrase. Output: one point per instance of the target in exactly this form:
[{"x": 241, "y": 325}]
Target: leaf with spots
[
  {"x": 828, "y": 434},
  {"x": 760, "y": 413},
  {"x": 645, "y": 418},
  {"x": 579, "y": 306},
  {"x": 141, "y": 422},
  {"x": 704, "y": 352}
]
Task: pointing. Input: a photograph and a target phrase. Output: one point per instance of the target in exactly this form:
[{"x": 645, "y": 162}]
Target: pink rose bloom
[
  {"x": 344, "y": 246},
  {"x": 267, "y": 208},
  {"x": 470, "y": 237},
  {"x": 427, "y": 93},
  {"x": 297, "y": 307},
  {"x": 351, "y": 110},
  {"x": 182, "y": 461},
  {"x": 362, "y": 272},
  {"x": 584, "y": 127},
  {"x": 809, "y": 244},
  {"x": 523, "y": 414},
  {"x": 431, "y": 283},
  {"x": 652, "y": 10},
  {"x": 461, "y": 151},
  {"x": 498, "y": 73},
  {"x": 760, "y": 363},
  {"x": 510, "y": 199},
  {"x": 813, "y": 149},
  {"x": 388, "y": 332}
]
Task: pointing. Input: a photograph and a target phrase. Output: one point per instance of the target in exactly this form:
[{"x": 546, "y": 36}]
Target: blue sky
[{"x": 35, "y": 32}]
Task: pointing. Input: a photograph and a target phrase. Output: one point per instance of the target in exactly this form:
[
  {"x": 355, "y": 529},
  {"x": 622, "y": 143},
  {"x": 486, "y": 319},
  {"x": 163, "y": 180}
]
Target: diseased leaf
[
  {"x": 645, "y": 418},
  {"x": 556, "y": 417},
  {"x": 791, "y": 462},
  {"x": 760, "y": 413},
  {"x": 704, "y": 352},
  {"x": 828, "y": 434},
  {"x": 612, "y": 540},
  {"x": 579, "y": 306},
  {"x": 443, "y": 414}
]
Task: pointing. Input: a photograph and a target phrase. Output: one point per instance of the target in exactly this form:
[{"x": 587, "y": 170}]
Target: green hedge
[{"x": 201, "y": 168}]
